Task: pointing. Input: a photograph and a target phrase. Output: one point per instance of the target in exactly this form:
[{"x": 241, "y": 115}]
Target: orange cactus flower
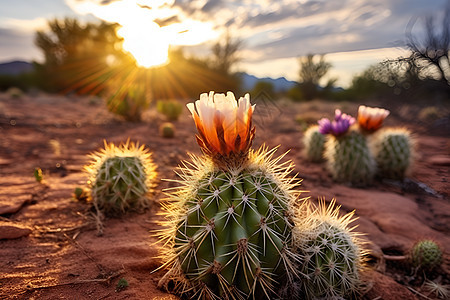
[
  {"x": 224, "y": 124},
  {"x": 371, "y": 118}
]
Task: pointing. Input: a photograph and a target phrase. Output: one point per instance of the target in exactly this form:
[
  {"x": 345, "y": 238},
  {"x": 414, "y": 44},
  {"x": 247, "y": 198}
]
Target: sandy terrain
[{"x": 49, "y": 248}]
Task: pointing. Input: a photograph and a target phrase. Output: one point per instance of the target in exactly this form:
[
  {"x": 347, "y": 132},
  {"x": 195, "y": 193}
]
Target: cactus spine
[
  {"x": 121, "y": 177},
  {"x": 393, "y": 152},
  {"x": 313, "y": 142},
  {"x": 230, "y": 220},
  {"x": 349, "y": 158},
  {"x": 333, "y": 254}
]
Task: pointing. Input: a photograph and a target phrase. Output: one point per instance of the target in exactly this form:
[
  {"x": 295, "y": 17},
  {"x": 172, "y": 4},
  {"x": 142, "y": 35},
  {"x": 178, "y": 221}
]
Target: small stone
[
  {"x": 440, "y": 160},
  {"x": 9, "y": 230},
  {"x": 12, "y": 204}
]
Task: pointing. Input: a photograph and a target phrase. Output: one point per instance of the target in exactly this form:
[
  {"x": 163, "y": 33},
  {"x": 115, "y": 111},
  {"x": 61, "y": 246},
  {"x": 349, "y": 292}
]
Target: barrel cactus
[
  {"x": 121, "y": 178},
  {"x": 313, "y": 141},
  {"x": 393, "y": 152},
  {"x": 426, "y": 254},
  {"x": 346, "y": 151},
  {"x": 229, "y": 223},
  {"x": 333, "y": 254},
  {"x": 167, "y": 130}
]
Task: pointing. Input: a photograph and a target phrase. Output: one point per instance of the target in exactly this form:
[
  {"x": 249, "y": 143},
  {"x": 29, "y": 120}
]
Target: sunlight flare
[{"x": 149, "y": 49}]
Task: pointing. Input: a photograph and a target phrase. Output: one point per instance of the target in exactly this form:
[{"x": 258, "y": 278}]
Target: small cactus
[
  {"x": 346, "y": 151},
  {"x": 426, "y": 255},
  {"x": 121, "y": 177},
  {"x": 167, "y": 130},
  {"x": 349, "y": 158},
  {"x": 38, "y": 175},
  {"x": 333, "y": 255},
  {"x": 313, "y": 142},
  {"x": 393, "y": 152},
  {"x": 80, "y": 194},
  {"x": 171, "y": 109}
]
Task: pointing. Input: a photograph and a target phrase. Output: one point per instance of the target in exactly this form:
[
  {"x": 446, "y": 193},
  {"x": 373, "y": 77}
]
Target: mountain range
[
  {"x": 280, "y": 84},
  {"x": 15, "y": 67}
]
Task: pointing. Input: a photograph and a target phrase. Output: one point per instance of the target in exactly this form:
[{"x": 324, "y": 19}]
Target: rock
[
  {"x": 386, "y": 288},
  {"x": 9, "y": 230},
  {"x": 439, "y": 160},
  {"x": 13, "y": 203}
]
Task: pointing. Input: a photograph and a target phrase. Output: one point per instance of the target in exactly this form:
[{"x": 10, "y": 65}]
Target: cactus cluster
[
  {"x": 356, "y": 153},
  {"x": 313, "y": 142},
  {"x": 392, "y": 149},
  {"x": 121, "y": 177},
  {"x": 236, "y": 228}
]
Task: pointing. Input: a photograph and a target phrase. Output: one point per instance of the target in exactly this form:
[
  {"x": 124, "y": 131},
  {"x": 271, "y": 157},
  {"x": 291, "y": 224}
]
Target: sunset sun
[{"x": 148, "y": 45}]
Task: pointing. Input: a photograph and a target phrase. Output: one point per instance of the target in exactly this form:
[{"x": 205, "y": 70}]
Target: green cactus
[
  {"x": 333, "y": 255},
  {"x": 313, "y": 142},
  {"x": 171, "y": 109},
  {"x": 349, "y": 158},
  {"x": 393, "y": 152},
  {"x": 230, "y": 230},
  {"x": 38, "y": 175},
  {"x": 426, "y": 254},
  {"x": 121, "y": 177},
  {"x": 167, "y": 130},
  {"x": 80, "y": 194}
]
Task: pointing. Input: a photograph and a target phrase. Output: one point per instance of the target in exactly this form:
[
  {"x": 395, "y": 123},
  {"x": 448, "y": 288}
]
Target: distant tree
[
  {"x": 430, "y": 54},
  {"x": 78, "y": 57},
  {"x": 225, "y": 53},
  {"x": 311, "y": 71}
]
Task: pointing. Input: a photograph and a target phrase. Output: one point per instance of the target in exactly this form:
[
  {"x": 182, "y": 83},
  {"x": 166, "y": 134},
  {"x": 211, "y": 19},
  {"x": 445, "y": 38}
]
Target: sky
[{"x": 352, "y": 34}]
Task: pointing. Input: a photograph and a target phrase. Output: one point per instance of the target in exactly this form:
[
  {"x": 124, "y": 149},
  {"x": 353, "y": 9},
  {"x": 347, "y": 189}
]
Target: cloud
[
  {"x": 25, "y": 26},
  {"x": 18, "y": 46}
]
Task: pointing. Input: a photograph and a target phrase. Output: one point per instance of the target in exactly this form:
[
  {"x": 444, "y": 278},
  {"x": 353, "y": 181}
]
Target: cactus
[
  {"x": 349, "y": 158},
  {"x": 80, "y": 194},
  {"x": 314, "y": 142},
  {"x": 167, "y": 130},
  {"x": 426, "y": 254},
  {"x": 171, "y": 109},
  {"x": 121, "y": 177},
  {"x": 129, "y": 103},
  {"x": 346, "y": 151},
  {"x": 38, "y": 175},
  {"x": 230, "y": 220},
  {"x": 333, "y": 255},
  {"x": 393, "y": 152}
]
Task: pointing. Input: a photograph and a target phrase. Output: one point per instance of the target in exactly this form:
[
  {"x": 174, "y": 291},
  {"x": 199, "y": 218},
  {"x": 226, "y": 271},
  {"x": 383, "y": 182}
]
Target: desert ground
[{"x": 49, "y": 246}]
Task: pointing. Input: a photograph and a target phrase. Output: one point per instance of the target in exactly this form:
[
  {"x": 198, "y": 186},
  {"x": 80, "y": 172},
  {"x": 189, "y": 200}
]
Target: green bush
[
  {"x": 130, "y": 105},
  {"x": 171, "y": 109}
]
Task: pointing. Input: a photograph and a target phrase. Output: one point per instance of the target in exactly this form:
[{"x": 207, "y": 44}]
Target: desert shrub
[
  {"x": 430, "y": 113},
  {"x": 15, "y": 92},
  {"x": 171, "y": 109},
  {"x": 129, "y": 105}
]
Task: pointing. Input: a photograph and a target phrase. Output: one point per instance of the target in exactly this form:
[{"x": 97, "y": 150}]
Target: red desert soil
[{"x": 49, "y": 248}]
